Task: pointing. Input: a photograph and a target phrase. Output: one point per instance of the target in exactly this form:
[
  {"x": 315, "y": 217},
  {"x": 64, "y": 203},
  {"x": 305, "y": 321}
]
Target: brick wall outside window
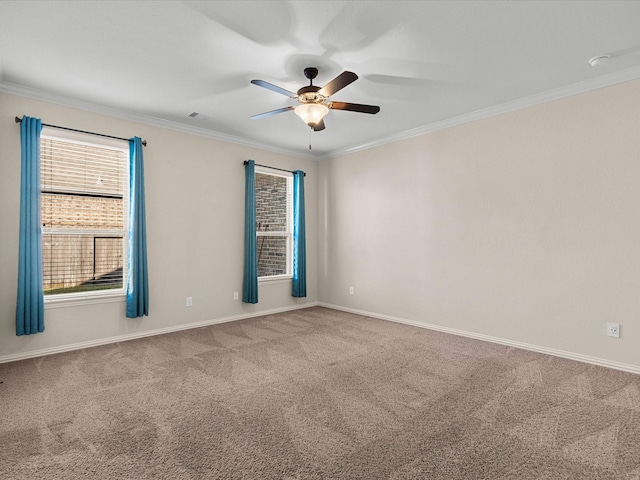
[{"x": 271, "y": 216}]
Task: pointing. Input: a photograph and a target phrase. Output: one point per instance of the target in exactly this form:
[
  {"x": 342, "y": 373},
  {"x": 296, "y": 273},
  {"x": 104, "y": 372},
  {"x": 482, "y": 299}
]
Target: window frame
[
  {"x": 289, "y": 223},
  {"x": 103, "y": 295}
]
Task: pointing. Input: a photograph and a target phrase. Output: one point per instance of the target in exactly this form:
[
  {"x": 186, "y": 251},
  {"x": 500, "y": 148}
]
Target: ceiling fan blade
[
  {"x": 338, "y": 83},
  {"x": 272, "y": 112},
  {"x": 354, "y": 107},
  {"x": 319, "y": 126},
  {"x": 274, "y": 88}
]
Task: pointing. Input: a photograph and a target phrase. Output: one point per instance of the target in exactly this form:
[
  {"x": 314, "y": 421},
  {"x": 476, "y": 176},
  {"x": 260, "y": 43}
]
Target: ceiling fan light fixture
[{"x": 311, "y": 113}]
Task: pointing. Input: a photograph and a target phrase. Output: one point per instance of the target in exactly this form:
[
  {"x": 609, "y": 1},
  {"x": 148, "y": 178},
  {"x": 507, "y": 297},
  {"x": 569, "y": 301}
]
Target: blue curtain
[
  {"x": 137, "y": 275},
  {"x": 250, "y": 282},
  {"x": 30, "y": 305},
  {"x": 299, "y": 284}
]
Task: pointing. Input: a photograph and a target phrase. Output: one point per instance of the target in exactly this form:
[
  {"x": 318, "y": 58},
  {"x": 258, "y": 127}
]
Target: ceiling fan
[{"x": 314, "y": 101}]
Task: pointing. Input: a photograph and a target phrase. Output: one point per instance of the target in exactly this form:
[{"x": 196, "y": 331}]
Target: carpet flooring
[{"x": 315, "y": 394}]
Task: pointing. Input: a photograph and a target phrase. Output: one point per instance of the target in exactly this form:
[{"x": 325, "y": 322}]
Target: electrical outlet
[
  {"x": 613, "y": 329},
  {"x": 235, "y": 295},
  {"x": 350, "y": 290},
  {"x": 189, "y": 301}
]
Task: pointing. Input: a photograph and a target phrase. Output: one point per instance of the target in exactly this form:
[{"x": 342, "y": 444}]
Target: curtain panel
[
  {"x": 30, "y": 302},
  {"x": 299, "y": 283},
  {"x": 250, "y": 280},
  {"x": 137, "y": 274}
]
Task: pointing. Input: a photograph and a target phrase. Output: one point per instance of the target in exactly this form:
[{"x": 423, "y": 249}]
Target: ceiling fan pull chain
[{"x": 310, "y": 129}]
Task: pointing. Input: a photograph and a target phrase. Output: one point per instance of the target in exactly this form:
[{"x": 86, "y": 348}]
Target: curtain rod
[
  {"x": 144, "y": 142},
  {"x": 272, "y": 168}
]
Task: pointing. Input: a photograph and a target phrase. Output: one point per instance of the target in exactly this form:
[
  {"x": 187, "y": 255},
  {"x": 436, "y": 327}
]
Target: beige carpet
[{"x": 315, "y": 394}]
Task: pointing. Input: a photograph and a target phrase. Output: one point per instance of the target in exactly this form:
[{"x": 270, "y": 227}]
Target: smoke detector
[{"x": 599, "y": 61}]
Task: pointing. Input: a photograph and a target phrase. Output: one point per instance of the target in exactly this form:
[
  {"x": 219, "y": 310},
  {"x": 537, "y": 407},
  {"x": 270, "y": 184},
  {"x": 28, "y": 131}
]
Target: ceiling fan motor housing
[{"x": 309, "y": 94}]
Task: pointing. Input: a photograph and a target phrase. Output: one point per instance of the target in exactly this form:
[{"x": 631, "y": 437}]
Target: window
[
  {"x": 274, "y": 222},
  {"x": 84, "y": 203}
]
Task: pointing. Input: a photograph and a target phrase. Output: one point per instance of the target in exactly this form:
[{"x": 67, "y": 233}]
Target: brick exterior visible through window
[{"x": 273, "y": 206}]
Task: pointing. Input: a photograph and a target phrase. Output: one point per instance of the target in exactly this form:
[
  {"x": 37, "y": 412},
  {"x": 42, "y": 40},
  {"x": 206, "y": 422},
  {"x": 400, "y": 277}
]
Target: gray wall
[
  {"x": 195, "y": 228},
  {"x": 523, "y": 227}
]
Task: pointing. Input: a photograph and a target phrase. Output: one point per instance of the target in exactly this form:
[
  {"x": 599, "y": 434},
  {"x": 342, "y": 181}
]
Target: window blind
[{"x": 84, "y": 193}]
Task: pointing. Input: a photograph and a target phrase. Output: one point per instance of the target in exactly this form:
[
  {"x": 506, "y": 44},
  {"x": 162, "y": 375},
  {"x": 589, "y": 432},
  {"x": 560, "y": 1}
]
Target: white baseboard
[
  {"x": 502, "y": 341},
  {"x": 148, "y": 333},
  {"x": 478, "y": 336}
]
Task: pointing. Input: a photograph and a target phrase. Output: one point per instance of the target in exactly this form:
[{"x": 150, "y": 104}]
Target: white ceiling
[{"x": 427, "y": 64}]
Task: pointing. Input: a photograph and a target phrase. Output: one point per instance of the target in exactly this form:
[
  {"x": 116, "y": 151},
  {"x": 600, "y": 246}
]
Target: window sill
[
  {"x": 76, "y": 300},
  {"x": 276, "y": 279}
]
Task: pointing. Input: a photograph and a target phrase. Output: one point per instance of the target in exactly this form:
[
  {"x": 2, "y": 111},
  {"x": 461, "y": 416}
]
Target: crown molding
[
  {"x": 601, "y": 81},
  {"x": 545, "y": 97},
  {"x": 48, "y": 97}
]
